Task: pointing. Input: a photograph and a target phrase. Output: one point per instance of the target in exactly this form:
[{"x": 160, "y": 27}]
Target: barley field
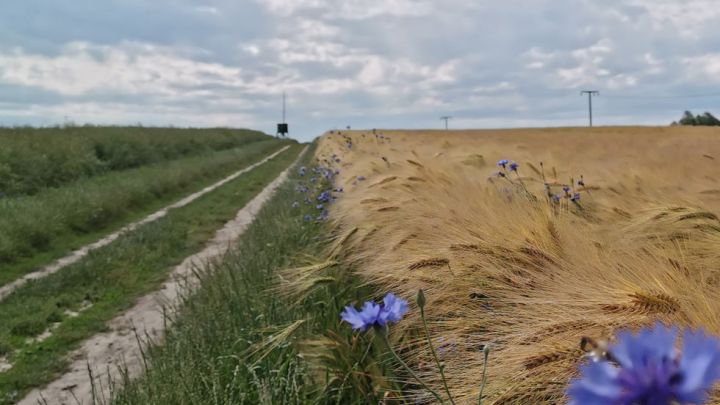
[{"x": 581, "y": 233}]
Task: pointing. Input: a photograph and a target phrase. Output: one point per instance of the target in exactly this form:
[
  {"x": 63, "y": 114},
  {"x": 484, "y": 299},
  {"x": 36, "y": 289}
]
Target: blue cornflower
[
  {"x": 320, "y": 206},
  {"x": 323, "y": 215},
  {"x": 502, "y": 163},
  {"x": 374, "y": 315},
  {"x": 650, "y": 370},
  {"x": 514, "y": 166},
  {"x": 312, "y": 179},
  {"x": 301, "y": 171},
  {"x": 295, "y": 204},
  {"x": 307, "y": 217},
  {"x": 556, "y": 198},
  {"x": 566, "y": 189},
  {"x": 575, "y": 197},
  {"x": 324, "y": 197}
]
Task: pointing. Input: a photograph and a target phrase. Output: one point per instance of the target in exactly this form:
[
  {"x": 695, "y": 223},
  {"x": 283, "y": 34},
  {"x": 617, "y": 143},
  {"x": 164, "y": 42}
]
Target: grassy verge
[
  {"x": 240, "y": 339},
  {"x": 111, "y": 279},
  {"x": 40, "y": 228},
  {"x": 32, "y": 159}
]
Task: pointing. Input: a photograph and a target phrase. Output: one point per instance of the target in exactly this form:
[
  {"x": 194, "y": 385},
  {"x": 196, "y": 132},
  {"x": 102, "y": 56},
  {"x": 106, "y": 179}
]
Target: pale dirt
[
  {"x": 106, "y": 352},
  {"x": 75, "y": 256}
]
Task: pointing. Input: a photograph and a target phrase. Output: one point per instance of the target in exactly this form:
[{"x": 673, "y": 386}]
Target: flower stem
[
  {"x": 384, "y": 336},
  {"x": 441, "y": 367},
  {"x": 484, "y": 374}
]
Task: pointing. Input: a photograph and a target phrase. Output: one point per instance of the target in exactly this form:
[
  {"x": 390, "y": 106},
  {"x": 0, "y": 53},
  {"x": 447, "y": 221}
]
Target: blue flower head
[
  {"x": 556, "y": 198},
  {"x": 307, "y": 217},
  {"x": 320, "y": 206},
  {"x": 313, "y": 179},
  {"x": 514, "y": 166},
  {"x": 566, "y": 189},
  {"x": 324, "y": 197},
  {"x": 502, "y": 163},
  {"x": 650, "y": 371},
  {"x": 301, "y": 171},
  {"x": 575, "y": 197},
  {"x": 374, "y": 315}
]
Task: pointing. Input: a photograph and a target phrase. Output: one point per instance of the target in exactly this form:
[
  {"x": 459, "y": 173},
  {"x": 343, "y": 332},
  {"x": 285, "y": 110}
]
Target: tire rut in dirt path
[
  {"x": 105, "y": 352},
  {"x": 77, "y": 255}
]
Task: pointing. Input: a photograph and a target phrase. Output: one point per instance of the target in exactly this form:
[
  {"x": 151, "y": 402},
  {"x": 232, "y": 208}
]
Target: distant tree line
[{"x": 706, "y": 119}]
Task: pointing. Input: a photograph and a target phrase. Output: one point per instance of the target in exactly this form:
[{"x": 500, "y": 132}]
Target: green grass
[
  {"x": 32, "y": 159},
  {"x": 240, "y": 340},
  {"x": 112, "y": 278},
  {"x": 45, "y": 226}
]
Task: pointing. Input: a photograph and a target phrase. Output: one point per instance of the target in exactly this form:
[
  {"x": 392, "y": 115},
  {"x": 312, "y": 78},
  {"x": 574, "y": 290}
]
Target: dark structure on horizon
[{"x": 282, "y": 128}]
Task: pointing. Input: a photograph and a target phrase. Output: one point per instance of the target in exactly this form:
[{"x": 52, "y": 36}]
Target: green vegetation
[
  {"x": 243, "y": 339},
  {"x": 32, "y": 159},
  {"x": 54, "y": 221},
  {"x": 705, "y": 119},
  {"x": 111, "y": 279}
]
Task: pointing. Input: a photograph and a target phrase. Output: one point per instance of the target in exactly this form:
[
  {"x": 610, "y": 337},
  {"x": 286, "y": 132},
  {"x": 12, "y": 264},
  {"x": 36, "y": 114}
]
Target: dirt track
[
  {"x": 75, "y": 256},
  {"x": 119, "y": 346}
]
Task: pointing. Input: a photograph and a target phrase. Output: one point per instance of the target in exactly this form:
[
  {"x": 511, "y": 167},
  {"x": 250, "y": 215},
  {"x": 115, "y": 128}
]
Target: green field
[
  {"x": 50, "y": 223},
  {"x": 32, "y": 159},
  {"x": 110, "y": 279}
]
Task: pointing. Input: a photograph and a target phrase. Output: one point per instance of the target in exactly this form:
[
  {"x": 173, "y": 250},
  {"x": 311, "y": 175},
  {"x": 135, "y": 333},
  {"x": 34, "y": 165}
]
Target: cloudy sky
[{"x": 364, "y": 63}]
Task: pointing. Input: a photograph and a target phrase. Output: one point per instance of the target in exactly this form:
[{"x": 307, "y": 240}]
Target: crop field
[
  {"x": 508, "y": 259},
  {"x": 505, "y": 262}
]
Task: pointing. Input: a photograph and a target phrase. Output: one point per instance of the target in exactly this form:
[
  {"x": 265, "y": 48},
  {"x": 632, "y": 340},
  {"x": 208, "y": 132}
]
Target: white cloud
[
  {"x": 350, "y": 9},
  {"x": 130, "y": 68},
  {"x": 363, "y": 62},
  {"x": 705, "y": 66},
  {"x": 689, "y": 18},
  {"x": 207, "y": 10}
]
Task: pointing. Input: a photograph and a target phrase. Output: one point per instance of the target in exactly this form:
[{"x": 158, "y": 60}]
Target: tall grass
[
  {"x": 32, "y": 159},
  {"x": 39, "y": 223},
  {"x": 110, "y": 280},
  {"x": 264, "y": 327}
]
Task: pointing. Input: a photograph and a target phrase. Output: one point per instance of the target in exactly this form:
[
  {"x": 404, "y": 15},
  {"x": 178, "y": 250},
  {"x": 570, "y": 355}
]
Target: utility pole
[
  {"x": 446, "y": 118},
  {"x": 590, "y": 94},
  {"x": 282, "y": 128}
]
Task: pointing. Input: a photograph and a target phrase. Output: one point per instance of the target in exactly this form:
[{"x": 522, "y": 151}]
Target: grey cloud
[{"x": 369, "y": 63}]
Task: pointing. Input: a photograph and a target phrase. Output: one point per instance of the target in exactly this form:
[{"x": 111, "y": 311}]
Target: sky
[{"x": 362, "y": 63}]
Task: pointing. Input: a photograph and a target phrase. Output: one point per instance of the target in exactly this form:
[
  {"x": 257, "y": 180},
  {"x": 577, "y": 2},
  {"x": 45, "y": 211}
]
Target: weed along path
[
  {"x": 77, "y": 255},
  {"x": 105, "y": 357}
]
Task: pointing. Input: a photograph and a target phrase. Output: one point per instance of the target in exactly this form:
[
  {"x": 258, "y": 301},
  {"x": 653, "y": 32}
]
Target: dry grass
[{"x": 502, "y": 270}]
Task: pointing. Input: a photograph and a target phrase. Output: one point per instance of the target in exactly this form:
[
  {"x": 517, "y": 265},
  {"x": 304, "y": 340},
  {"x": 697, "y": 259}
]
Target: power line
[{"x": 665, "y": 96}]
